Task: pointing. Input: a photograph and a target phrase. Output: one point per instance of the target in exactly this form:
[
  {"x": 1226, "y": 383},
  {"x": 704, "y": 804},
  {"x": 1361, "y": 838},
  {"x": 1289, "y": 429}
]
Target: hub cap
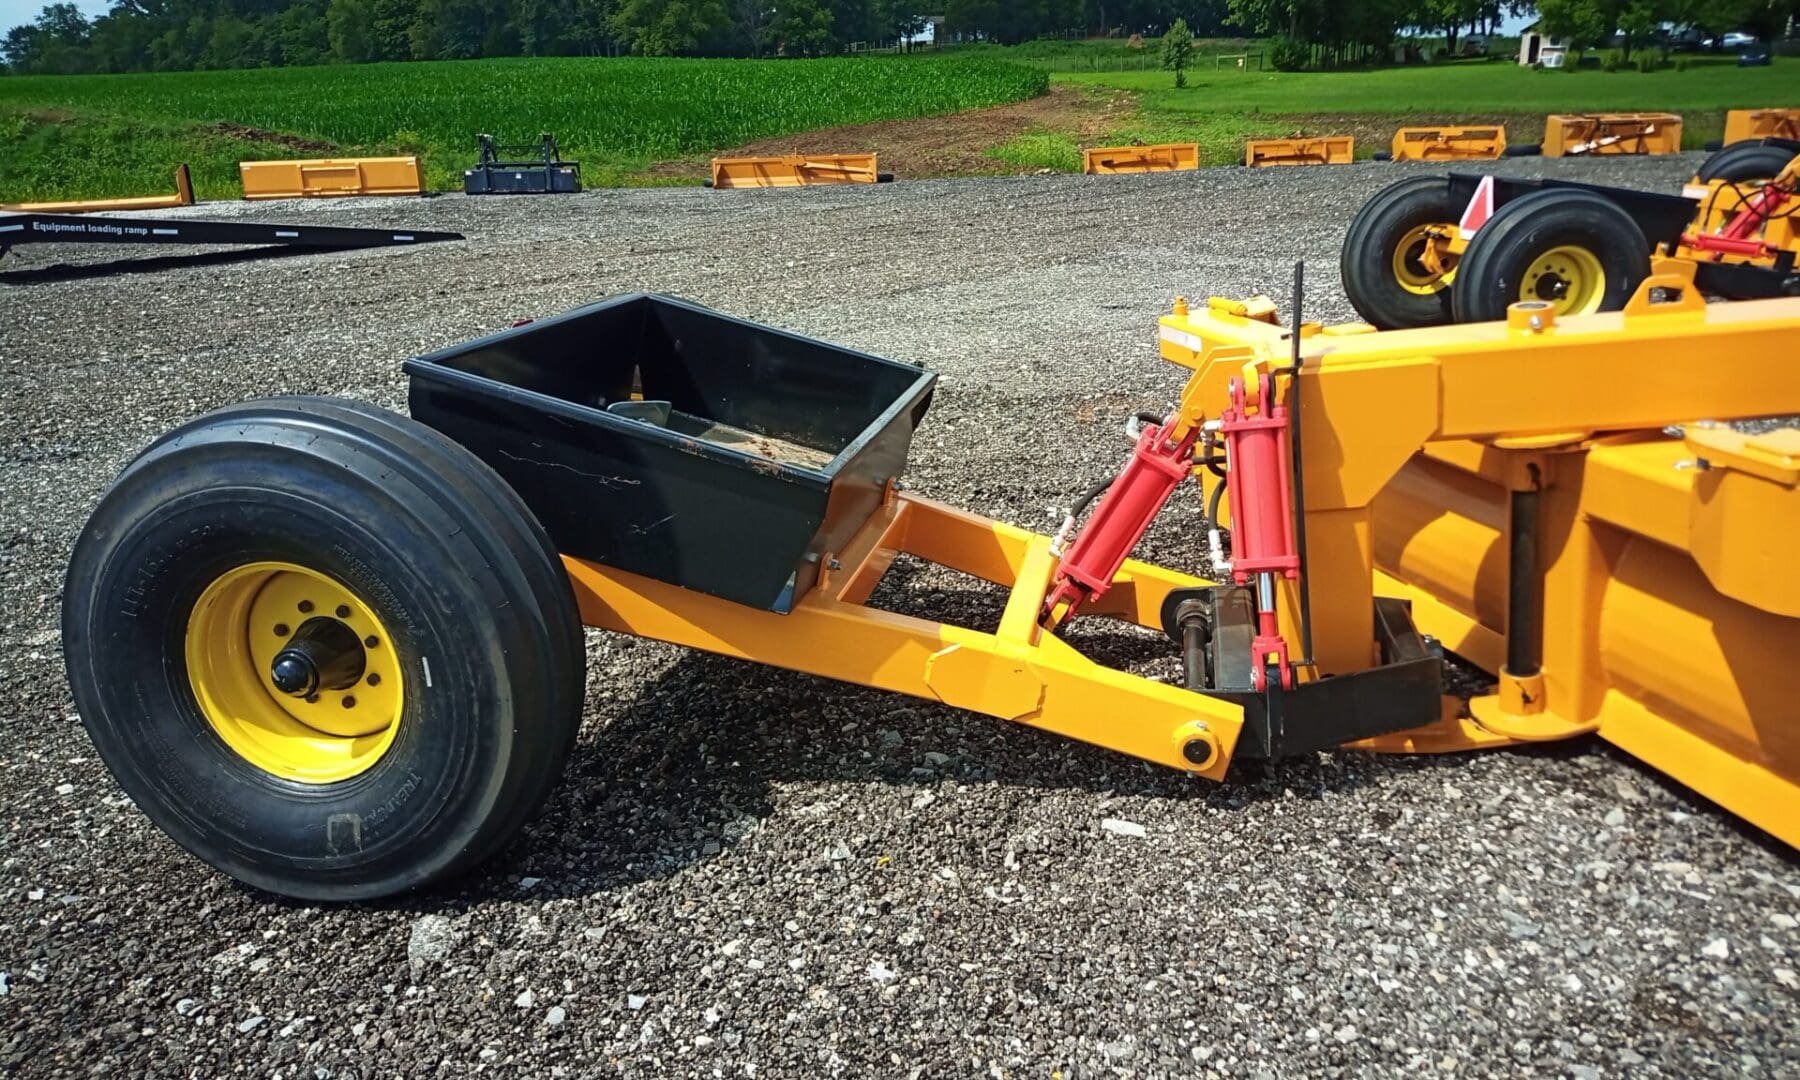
[
  {"x": 1569, "y": 278},
  {"x": 294, "y": 672}
]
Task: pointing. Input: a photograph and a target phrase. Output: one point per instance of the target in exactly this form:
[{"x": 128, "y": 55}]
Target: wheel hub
[
  {"x": 324, "y": 654},
  {"x": 1551, "y": 286},
  {"x": 294, "y": 672},
  {"x": 1570, "y": 278}
]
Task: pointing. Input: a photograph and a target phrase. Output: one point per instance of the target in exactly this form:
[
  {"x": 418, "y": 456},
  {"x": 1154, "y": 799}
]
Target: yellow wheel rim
[
  {"x": 239, "y": 626},
  {"x": 1410, "y": 269},
  {"x": 1569, "y": 278}
]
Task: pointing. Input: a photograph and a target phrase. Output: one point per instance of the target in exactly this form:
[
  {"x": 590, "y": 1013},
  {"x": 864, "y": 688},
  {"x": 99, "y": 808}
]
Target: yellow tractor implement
[
  {"x": 1449, "y": 143},
  {"x": 1611, "y": 576},
  {"x": 1567, "y": 135},
  {"x": 1320, "y": 150},
  {"x": 332, "y": 177},
  {"x": 794, "y": 170},
  {"x": 1159, "y": 157},
  {"x": 1747, "y": 125},
  {"x": 1430, "y": 250},
  {"x": 367, "y": 633},
  {"x": 184, "y": 196}
]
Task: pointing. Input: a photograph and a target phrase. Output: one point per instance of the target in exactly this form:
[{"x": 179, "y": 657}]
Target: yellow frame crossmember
[{"x": 1019, "y": 672}]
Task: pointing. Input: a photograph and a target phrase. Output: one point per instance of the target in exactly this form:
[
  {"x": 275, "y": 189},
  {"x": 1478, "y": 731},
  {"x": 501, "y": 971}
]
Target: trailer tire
[
  {"x": 1744, "y": 162},
  {"x": 429, "y": 678},
  {"x": 1384, "y": 282},
  {"x": 1577, "y": 250}
]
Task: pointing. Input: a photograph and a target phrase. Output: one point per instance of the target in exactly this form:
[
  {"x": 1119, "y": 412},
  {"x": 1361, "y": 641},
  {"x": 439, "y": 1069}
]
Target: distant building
[
  {"x": 1536, "y": 47},
  {"x": 929, "y": 33}
]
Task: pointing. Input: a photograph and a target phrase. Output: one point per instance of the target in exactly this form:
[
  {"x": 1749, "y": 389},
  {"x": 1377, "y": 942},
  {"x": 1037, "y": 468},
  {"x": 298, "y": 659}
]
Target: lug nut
[
  {"x": 371, "y": 641},
  {"x": 349, "y": 702},
  {"x": 305, "y": 606},
  {"x": 374, "y": 678},
  {"x": 343, "y": 611},
  {"x": 281, "y": 629}
]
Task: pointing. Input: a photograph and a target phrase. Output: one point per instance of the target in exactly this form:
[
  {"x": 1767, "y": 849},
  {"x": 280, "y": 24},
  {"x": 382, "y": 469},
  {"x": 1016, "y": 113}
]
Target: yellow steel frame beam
[
  {"x": 1158, "y": 157},
  {"x": 1746, "y": 124},
  {"x": 332, "y": 177},
  {"x": 1612, "y": 133},
  {"x": 183, "y": 196},
  {"x": 1019, "y": 672},
  {"x": 794, "y": 170},
  {"x": 1484, "y": 143},
  {"x": 1309, "y": 150}
]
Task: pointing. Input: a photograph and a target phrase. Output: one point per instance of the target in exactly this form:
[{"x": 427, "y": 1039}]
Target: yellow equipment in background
[
  {"x": 1742, "y": 125},
  {"x": 1320, "y": 150},
  {"x": 331, "y": 177},
  {"x": 1157, "y": 157},
  {"x": 1449, "y": 143},
  {"x": 184, "y": 196},
  {"x": 1612, "y": 133},
  {"x": 794, "y": 170}
]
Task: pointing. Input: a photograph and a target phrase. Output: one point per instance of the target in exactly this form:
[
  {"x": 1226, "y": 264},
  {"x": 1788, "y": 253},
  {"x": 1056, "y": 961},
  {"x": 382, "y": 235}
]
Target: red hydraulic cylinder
[
  {"x": 1124, "y": 514},
  {"x": 1737, "y": 238},
  {"x": 1262, "y": 520}
]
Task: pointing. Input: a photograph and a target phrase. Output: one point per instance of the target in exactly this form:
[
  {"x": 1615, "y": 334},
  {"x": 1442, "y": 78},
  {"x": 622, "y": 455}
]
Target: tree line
[{"x": 174, "y": 35}]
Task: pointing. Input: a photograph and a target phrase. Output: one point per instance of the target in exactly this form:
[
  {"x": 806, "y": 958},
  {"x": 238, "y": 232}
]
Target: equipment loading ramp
[{"x": 28, "y": 228}]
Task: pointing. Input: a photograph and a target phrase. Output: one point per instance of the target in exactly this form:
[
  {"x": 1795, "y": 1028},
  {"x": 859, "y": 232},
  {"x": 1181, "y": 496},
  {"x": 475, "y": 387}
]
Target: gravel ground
[{"x": 753, "y": 873}]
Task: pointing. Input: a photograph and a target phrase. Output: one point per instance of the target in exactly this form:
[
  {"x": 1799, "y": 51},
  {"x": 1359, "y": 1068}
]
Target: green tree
[
  {"x": 670, "y": 27},
  {"x": 1582, "y": 23},
  {"x": 1177, "y": 50},
  {"x": 349, "y": 26},
  {"x": 1637, "y": 22},
  {"x": 801, "y": 28},
  {"x": 1450, "y": 16}
]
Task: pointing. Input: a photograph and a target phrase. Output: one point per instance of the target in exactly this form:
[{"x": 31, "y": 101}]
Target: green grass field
[
  {"x": 101, "y": 136},
  {"x": 107, "y": 135},
  {"x": 1494, "y": 86},
  {"x": 1223, "y": 106}
]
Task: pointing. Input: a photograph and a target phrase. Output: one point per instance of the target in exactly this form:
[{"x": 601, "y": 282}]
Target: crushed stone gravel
[{"x": 754, "y": 873}]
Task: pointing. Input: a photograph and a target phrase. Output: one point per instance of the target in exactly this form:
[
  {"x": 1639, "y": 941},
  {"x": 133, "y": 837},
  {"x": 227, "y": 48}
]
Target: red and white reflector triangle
[{"x": 1481, "y": 207}]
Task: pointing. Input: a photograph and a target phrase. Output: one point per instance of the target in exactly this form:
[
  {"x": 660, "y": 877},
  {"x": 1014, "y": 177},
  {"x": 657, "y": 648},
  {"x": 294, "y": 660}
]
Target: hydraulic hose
[
  {"x": 1215, "y": 539},
  {"x": 1068, "y": 525}
]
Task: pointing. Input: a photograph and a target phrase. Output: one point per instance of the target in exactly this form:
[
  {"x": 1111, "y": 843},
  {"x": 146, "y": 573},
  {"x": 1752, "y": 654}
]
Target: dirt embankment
[{"x": 954, "y": 145}]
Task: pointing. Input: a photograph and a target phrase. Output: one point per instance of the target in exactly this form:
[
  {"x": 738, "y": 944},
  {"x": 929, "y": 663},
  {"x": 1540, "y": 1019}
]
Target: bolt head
[{"x": 293, "y": 675}]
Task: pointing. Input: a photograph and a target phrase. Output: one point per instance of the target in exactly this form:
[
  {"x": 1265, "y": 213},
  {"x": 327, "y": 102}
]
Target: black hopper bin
[{"x": 660, "y": 437}]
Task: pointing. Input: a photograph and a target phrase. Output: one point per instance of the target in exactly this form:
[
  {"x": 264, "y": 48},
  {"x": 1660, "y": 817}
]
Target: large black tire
[
  {"x": 1605, "y": 257},
  {"x": 1371, "y": 260},
  {"x": 485, "y": 656},
  {"x": 1745, "y": 162}
]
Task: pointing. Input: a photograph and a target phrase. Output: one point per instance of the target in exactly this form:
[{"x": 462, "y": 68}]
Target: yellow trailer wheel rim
[
  {"x": 251, "y": 617},
  {"x": 1568, "y": 277},
  {"x": 1410, "y": 269}
]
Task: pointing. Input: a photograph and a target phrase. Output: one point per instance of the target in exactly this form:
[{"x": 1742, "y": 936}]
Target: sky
[{"x": 14, "y": 12}]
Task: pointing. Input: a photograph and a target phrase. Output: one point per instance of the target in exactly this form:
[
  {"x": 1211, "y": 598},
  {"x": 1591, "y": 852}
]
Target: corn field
[{"x": 82, "y": 136}]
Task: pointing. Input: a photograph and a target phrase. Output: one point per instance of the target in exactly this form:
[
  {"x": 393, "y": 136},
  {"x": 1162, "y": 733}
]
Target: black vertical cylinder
[
  {"x": 1524, "y": 589},
  {"x": 1193, "y": 653}
]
